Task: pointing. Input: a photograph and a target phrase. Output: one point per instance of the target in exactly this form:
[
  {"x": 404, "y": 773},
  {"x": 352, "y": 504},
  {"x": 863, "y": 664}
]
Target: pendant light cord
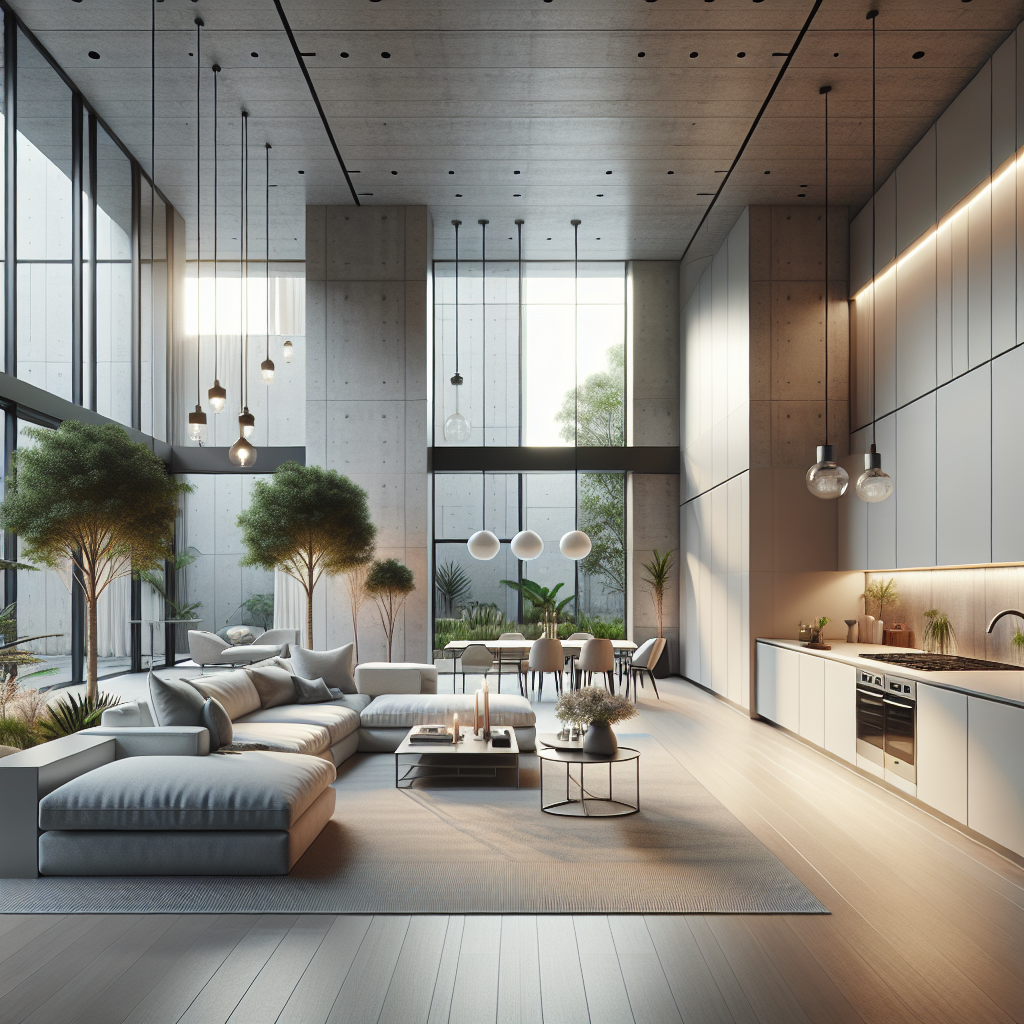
[
  {"x": 576, "y": 372},
  {"x": 199, "y": 214},
  {"x": 245, "y": 258},
  {"x": 268, "y": 250},
  {"x": 872, "y": 17},
  {"x": 825, "y": 90},
  {"x": 216, "y": 150},
  {"x": 483, "y": 327},
  {"x": 519, "y": 303},
  {"x": 456, "y": 224}
]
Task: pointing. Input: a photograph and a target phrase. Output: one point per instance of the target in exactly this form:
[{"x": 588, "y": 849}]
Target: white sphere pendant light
[
  {"x": 575, "y": 545},
  {"x": 483, "y": 545},
  {"x": 527, "y": 545},
  {"x": 874, "y": 484}
]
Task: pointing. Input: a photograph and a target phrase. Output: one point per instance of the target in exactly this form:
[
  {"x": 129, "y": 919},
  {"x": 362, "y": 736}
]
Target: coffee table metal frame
[
  {"x": 581, "y": 807},
  {"x": 469, "y": 759}
]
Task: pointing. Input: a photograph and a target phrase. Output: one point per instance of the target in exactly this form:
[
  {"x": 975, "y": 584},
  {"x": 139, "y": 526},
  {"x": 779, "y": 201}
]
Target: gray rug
[{"x": 480, "y": 850}]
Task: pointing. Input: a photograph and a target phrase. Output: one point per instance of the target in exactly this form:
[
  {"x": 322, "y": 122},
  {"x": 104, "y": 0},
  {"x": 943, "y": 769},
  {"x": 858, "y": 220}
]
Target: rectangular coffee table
[{"x": 470, "y": 758}]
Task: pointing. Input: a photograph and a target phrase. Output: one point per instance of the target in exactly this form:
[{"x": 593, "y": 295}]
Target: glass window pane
[
  {"x": 113, "y": 280},
  {"x": 153, "y": 246}
]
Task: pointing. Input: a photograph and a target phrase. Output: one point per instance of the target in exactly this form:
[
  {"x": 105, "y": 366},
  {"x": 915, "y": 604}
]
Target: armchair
[{"x": 210, "y": 649}]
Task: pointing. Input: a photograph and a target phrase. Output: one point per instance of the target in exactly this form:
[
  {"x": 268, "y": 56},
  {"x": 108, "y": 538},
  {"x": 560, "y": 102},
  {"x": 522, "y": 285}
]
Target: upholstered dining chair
[
  {"x": 644, "y": 659},
  {"x": 546, "y": 655},
  {"x": 598, "y": 656},
  {"x": 571, "y": 658},
  {"x": 478, "y": 658}
]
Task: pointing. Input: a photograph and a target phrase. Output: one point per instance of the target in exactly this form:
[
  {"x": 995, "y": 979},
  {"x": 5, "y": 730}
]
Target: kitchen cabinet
[
  {"x": 812, "y": 698},
  {"x": 841, "y": 710},
  {"x": 787, "y": 688},
  {"x": 995, "y": 771},
  {"x": 766, "y": 681},
  {"x": 942, "y": 750}
]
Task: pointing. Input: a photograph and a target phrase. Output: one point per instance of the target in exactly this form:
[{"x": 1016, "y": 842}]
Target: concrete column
[{"x": 366, "y": 396}]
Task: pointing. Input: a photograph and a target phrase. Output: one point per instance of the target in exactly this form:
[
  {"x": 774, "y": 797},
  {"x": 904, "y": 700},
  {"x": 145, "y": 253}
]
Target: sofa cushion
[
  {"x": 273, "y": 684},
  {"x": 217, "y": 723},
  {"x": 403, "y": 711},
  {"x": 312, "y": 691},
  {"x": 333, "y": 667},
  {"x": 174, "y": 702},
  {"x": 338, "y": 721},
  {"x": 255, "y": 790},
  {"x": 233, "y": 689},
  {"x": 291, "y": 737},
  {"x": 378, "y": 677},
  {"x": 134, "y": 714}
]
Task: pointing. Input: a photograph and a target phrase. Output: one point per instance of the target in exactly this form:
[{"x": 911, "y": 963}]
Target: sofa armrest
[
  {"x": 142, "y": 741},
  {"x": 25, "y": 778},
  {"x": 378, "y": 678},
  {"x": 132, "y": 714}
]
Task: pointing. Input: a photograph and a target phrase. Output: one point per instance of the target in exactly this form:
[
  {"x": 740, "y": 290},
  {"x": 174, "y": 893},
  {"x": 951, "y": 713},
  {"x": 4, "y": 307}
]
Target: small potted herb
[
  {"x": 939, "y": 637},
  {"x": 817, "y": 628},
  {"x": 596, "y": 710}
]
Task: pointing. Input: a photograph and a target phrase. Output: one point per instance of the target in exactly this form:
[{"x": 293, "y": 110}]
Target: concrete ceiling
[{"x": 554, "y": 90}]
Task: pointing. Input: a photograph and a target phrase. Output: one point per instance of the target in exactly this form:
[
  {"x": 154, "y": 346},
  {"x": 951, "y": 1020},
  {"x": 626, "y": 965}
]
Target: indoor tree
[
  {"x": 355, "y": 581},
  {"x": 658, "y": 570},
  {"x": 307, "y": 521},
  {"x": 91, "y": 497},
  {"x": 389, "y": 583}
]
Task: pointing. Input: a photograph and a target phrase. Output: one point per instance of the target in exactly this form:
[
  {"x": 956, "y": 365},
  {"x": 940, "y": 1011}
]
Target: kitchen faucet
[{"x": 1005, "y": 611}]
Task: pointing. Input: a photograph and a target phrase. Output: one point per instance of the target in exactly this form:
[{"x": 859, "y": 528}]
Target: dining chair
[
  {"x": 546, "y": 655},
  {"x": 476, "y": 656},
  {"x": 571, "y": 658},
  {"x": 511, "y": 658},
  {"x": 644, "y": 660},
  {"x": 598, "y": 656}
]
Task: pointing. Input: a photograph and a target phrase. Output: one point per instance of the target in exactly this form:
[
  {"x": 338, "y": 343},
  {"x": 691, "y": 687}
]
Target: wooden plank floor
[{"x": 926, "y": 926}]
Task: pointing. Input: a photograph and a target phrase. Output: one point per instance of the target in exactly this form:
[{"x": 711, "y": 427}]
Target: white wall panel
[
  {"x": 885, "y": 224},
  {"x": 691, "y": 590},
  {"x": 736, "y": 652},
  {"x": 1019, "y": 189},
  {"x": 860, "y": 249},
  {"x": 915, "y": 324},
  {"x": 958, "y": 301},
  {"x": 915, "y": 192},
  {"x": 963, "y": 482},
  {"x": 1004, "y": 101},
  {"x": 853, "y": 513},
  {"x": 1004, "y": 262},
  {"x": 703, "y": 293},
  {"x": 861, "y": 323},
  {"x": 1018, "y": 37},
  {"x": 1007, "y": 442},
  {"x": 739, "y": 315},
  {"x": 914, "y": 496},
  {"x": 943, "y": 304},
  {"x": 979, "y": 294},
  {"x": 691, "y": 389},
  {"x": 882, "y": 515},
  {"x": 705, "y": 624},
  {"x": 963, "y": 142},
  {"x": 719, "y": 633},
  {"x": 885, "y": 345},
  {"x": 720, "y": 335}
]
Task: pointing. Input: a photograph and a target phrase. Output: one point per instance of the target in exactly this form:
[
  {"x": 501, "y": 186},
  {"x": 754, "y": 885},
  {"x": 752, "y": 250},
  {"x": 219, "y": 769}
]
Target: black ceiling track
[
  {"x": 757, "y": 121},
  {"x": 316, "y": 99}
]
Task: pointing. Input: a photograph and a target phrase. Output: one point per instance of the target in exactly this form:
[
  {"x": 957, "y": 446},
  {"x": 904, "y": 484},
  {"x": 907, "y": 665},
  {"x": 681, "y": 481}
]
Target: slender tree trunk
[
  {"x": 91, "y": 685},
  {"x": 309, "y": 609},
  {"x": 659, "y": 604}
]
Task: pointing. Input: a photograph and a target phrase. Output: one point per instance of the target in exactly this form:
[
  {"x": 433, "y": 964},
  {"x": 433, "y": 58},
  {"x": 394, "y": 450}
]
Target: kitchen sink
[{"x": 941, "y": 663}]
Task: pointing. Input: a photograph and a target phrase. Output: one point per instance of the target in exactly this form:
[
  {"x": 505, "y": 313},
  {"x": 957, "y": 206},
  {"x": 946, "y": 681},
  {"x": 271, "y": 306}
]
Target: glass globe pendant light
[
  {"x": 267, "y": 366},
  {"x": 241, "y": 453},
  {"x": 456, "y": 426},
  {"x": 217, "y": 395},
  {"x": 288, "y": 349},
  {"x": 874, "y": 484},
  {"x": 826, "y": 479}
]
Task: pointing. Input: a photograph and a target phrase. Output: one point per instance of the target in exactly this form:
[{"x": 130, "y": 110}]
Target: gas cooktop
[{"x": 941, "y": 663}]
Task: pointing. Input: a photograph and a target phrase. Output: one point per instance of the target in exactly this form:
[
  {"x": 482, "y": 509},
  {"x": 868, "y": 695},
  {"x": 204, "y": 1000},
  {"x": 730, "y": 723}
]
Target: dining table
[{"x": 512, "y": 651}]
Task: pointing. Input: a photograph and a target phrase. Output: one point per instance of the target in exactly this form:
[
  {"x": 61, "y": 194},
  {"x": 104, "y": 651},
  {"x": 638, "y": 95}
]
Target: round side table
[{"x": 581, "y": 802}]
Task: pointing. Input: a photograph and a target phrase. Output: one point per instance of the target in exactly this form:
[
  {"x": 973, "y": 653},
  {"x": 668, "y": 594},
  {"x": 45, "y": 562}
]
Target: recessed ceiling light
[
  {"x": 670, "y": 172},
  {"x": 607, "y": 172},
  {"x": 695, "y": 54},
  {"x": 343, "y": 54},
  {"x": 458, "y": 195},
  {"x": 254, "y": 54},
  {"x": 801, "y": 195},
  {"x": 517, "y": 195},
  {"x": 94, "y": 55},
  {"x": 767, "y": 172},
  {"x": 302, "y": 172},
  {"x": 918, "y": 55},
  {"x": 547, "y": 2},
  {"x": 515, "y": 172},
  {"x": 598, "y": 239},
  {"x": 742, "y": 53},
  {"x": 191, "y": 54},
  {"x": 393, "y": 172},
  {"x": 835, "y": 54},
  {"x": 600, "y": 195},
  {"x": 451, "y": 172},
  {"x": 385, "y": 54},
  {"x": 642, "y": 53}
]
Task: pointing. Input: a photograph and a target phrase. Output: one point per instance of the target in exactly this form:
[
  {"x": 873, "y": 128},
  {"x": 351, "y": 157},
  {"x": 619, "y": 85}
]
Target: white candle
[
  {"x": 455, "y": 727},
  {"x": 476, "y": 712},
  {"x": 487, "y": 708}
]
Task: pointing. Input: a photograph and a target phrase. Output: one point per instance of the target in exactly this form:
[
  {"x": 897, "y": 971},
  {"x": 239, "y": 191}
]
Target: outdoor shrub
[
  {"x": 72, "y": 714},
  {"x": 16, "y": 733}
]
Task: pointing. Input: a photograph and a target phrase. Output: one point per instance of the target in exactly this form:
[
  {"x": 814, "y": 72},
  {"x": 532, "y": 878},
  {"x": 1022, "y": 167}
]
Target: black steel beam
[{"x": 664, "y": 460}]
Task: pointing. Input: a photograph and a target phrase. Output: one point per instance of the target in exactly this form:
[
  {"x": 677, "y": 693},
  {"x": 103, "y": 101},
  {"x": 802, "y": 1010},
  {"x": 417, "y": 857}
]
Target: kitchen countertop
[{"x": 1003, "y": 685}]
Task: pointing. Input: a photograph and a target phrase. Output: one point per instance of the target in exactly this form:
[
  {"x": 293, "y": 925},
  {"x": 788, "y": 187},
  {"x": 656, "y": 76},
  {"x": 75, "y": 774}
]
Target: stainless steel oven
[{"x": 887, "y": 723}]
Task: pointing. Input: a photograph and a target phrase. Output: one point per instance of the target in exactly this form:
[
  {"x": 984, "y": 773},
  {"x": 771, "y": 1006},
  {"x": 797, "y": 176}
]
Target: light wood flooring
[{"x": 926, "y": 926}]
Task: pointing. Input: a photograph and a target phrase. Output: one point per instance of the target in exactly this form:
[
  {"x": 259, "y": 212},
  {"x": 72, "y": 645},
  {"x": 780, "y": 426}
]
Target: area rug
[{"x": 480, "y": 850}]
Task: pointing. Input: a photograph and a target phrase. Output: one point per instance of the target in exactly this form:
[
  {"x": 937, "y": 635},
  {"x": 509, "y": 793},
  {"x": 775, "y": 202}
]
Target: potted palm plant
[{"x": 595, "y": 709}]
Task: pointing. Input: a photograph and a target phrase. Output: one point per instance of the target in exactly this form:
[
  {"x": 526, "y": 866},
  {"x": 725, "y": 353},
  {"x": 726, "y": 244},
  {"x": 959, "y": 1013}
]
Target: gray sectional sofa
[{"x": 150, "y": 792}]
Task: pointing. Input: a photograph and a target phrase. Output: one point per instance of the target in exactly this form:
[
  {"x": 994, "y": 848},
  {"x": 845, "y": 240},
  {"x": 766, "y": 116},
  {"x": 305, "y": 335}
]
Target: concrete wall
[
  {"x": 652, "y": 419},
  {"x": 937, "y": 355},
  {"x": 366, "y": 395}
]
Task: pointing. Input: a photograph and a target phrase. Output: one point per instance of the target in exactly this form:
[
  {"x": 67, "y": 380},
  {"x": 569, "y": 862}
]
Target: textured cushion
[
  {"x": 255, "y": 790},
  {"x": 133, "y": 715},
  {"x": 378, "y": 677},
  {"x": 400, "y": 710},
  {"x": 338, "y": 721},
  {"x": 333, "y": 667},
  {"x": 217, "y": 723},
  {"x": 311, "y": 691},
  {"x": 293, "y": 738},
  {"x": 174, "y": 702},
  {"x": 273, "y": 684},
  {"x": 233, "y": 689},
  {"x": 247, "y": 654}
]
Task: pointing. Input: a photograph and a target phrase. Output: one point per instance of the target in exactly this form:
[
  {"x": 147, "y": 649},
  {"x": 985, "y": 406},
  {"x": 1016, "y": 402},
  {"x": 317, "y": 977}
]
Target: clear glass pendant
[
  {"x": 197, "y": 424},
  {"x": 874, "y": 484},
  {"x": 241, "y": 453},
  {"x": 289, "y": 348},
  {"x": 456, "y": 427},
  {"x": 267, "y": 370},
  {"x": 826, "y": 479},
  {"x": 246, "y": 423}
]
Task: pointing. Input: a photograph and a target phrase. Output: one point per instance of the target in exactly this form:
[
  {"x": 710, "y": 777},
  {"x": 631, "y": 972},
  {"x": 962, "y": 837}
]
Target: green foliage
[
  {"x": 659, "y": 570},
  {"x": 602, "y": 516},
  {"x": 307, "y": 521},
  {"x": 881, "y": 593},
  {"x": 71, "y": 714},
  {"x": 259, "y": 607},
  {"x": 600, "y": 419},
  {"x": 593, "y": 704},
  {"x": 453, "y": 585},
  {"x": 485, "y": 616},
  {"x": 389, "y": 583},
  {"x": 544, "y": 599},
  {"x": 16, "y": 733},
  {"x": 602, "y": 629},
  {"x": 939, "y": 636},
  {"x": 155, "y": 578}
]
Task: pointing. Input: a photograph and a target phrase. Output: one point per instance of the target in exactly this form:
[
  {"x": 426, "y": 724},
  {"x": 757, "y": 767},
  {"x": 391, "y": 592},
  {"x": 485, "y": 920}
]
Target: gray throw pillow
[
  {"x": 311, "y": 691},
  {"x": 175, "y": 702},
  {"x": 273, "y": 684},
  {"x": 333, "y": 667},
  {"x": 217, "y": 723}
]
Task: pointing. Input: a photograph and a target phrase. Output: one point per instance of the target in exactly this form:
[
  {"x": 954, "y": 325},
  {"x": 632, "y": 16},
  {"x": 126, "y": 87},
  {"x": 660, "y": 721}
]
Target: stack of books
[{"x": 431, "y": 734}]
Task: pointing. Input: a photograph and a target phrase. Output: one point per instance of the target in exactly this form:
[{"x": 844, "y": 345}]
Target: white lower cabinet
[
  {"x": 812, "y": 699},
  {"x": 787, "y": 689},
  {"x": 766, "y": 681},
  {"x": 995, "y": 771},
  {"x": 942, "y": 750},
  {"x": 841, "y": 710}
]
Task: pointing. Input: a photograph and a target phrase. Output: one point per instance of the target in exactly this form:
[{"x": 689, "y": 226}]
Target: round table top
[{"x": 581, "y": 757}]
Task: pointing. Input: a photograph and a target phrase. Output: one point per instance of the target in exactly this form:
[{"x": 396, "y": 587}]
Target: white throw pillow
[{"x": 333, "y": 667}]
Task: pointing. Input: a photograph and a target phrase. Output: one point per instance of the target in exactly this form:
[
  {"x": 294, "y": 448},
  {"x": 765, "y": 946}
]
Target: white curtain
[
  {"x": 113, "y": 610},
  {"x": 289, "y": 604}
]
